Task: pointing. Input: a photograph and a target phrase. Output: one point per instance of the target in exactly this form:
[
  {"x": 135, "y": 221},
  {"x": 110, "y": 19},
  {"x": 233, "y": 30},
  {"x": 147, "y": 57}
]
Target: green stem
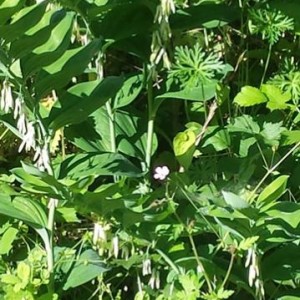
[
  {"x": 270, "y": 171},
  {"x": 266, "y": 64},
  {"x": 63, "y": 146},
  {"x": 4, "y": 134},
  {"x": 112, "y": 131},
  {"x": 194, "y": 249},
  {"x": 262, "y": 155},
  {"x": 50, "y": 250},
  {"x": 150, "y": 129},
  {"x": 228, "y": 270}
]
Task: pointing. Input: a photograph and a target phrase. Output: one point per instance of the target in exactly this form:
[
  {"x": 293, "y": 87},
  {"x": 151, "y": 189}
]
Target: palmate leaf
[
  {"x": 291, "y": 9},
  {"x": 270, "y": 23},
  {"x": 193, "y": 67}
]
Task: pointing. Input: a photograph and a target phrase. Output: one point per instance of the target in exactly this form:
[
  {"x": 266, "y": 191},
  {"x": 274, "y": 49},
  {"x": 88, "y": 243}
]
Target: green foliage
[
  {"x": 249, "y": 96},
  {"x": 193, "y": 67},
  {"x": 271, "y": 24},
  {"x": 149, "y": 149}
]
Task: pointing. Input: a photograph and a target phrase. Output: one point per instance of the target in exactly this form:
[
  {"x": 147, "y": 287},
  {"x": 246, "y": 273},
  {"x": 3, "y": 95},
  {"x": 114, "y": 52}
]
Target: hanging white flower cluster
[
  {"x": 25, "y": 127},
  {"x": 162, "y": 35},
  {"x": 154, "y": 281},
  {"x": 254, "y": 275},
  {"x": 6, "y": 99}
]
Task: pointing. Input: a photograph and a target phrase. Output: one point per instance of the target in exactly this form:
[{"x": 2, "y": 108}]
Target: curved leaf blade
[{"x": 82, "y": 100}]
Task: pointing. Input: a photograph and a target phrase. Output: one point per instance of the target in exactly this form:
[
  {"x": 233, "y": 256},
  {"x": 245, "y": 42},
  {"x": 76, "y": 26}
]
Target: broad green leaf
[
  {"x": 287, "y": 211},
  {"x": 245, "y": 145},
  {"x": 184, "y": 147},
  {"x": 133, "y": 260},
  {"x": 7, "y": 239},
  {"x": 245, "y": 124},
  {"x": 207, "y": 15},
  {"x": 137, "y": 45},
  {"x": 8, "y": 8},
  {"x": 273, "y": 191},
  {"x": 70, "y": 64},
  {"x": 234, "y": 200},
  {"x": 24, "y": 209},
  {"x": 97, "y": 164},
  {"x": 87, "y": 267},
  {"x": 283, "y": 263},
  {"x": 67, "y": 214},
  {"x": 271, "y": 133},
  {"x": 203, "y": 93},
  {"x": 82, "y": 100},
  {"x": 130, "y": 132},
  {"x": 84, "y": 136},
  {"x": 220, "y": 139},
  {"x": 100, "y": 202},
  {"x": 114, "y": 25},
  {"x": 276, "y": 98},
  {"x": 249, "y": 96},
  {"x": 22, "y": 21},
  {"x": 290, "y": 296},
  {"x": 58, "y": 40},
  {"x": 129, "y": 91},
  {"x": 36, "y": 36},
  {"x": 82, "y": 184},
  {"x": 38, "y": 182}
]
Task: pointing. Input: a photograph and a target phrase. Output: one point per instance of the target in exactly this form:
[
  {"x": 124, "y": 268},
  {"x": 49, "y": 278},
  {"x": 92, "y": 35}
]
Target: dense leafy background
[{"x": 149, "y": 149}]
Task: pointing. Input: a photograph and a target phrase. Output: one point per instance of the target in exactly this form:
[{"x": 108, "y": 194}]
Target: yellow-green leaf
[
  {"x": 276, "y": 98},
  {"x": 249, "y": 96},
  {"x": 184, "y": 147},
  {"x": 273, "y": 191}
]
